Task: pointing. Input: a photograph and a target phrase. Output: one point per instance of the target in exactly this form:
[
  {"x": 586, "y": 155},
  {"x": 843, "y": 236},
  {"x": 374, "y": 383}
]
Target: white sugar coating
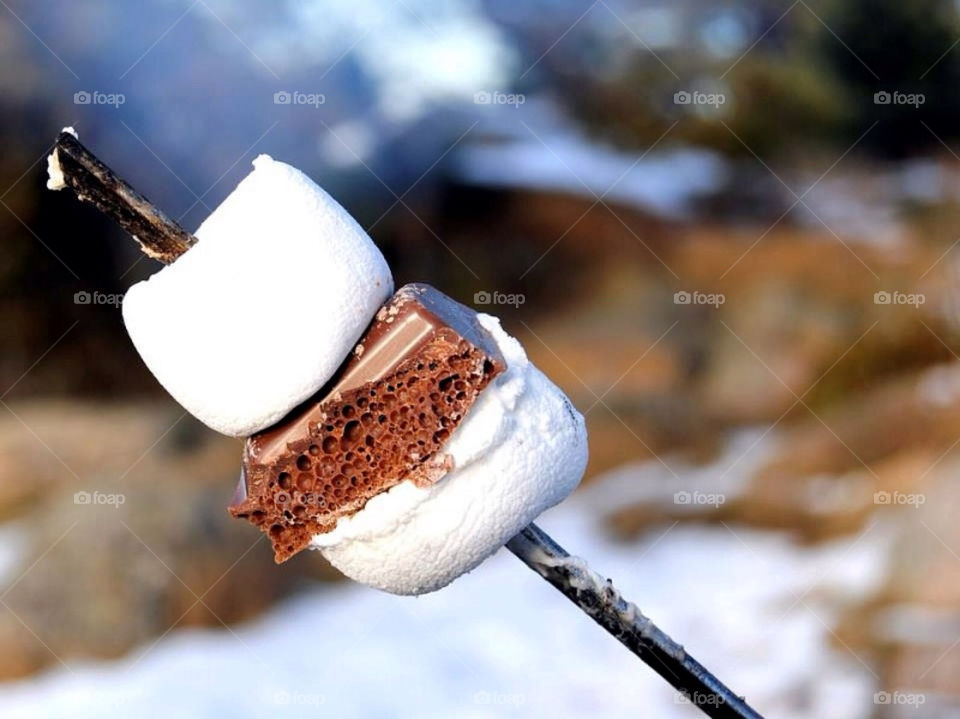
[
  {"x": 260, "y": 313},
  {"x": 521, "y": 448}
]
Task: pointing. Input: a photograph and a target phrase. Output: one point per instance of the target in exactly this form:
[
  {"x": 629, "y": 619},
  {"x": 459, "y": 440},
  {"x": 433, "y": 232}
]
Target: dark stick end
[{"x": 73, "y": 165}]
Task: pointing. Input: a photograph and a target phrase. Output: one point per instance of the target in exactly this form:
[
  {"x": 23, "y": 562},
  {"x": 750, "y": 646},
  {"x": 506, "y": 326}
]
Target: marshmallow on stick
[
  {"x": 438, "y": 442},
  {"x": 260, "y": 313},
  {"x": 421, "y": 455}
]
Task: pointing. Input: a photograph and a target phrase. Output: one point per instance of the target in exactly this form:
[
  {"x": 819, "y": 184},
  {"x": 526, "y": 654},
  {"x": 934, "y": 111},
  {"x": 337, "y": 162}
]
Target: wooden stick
[
  {"x": 603, "y": 603},
  {"x": 163, "y": 239},
  {"x": 159, "y": 237}
]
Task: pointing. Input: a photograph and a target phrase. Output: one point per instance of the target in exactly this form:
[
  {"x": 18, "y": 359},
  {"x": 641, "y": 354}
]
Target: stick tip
[{"x": 55, "y": 177}]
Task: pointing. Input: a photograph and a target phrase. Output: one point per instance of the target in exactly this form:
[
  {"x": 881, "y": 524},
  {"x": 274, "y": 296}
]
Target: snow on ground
[{"x": 502, "y": 642}]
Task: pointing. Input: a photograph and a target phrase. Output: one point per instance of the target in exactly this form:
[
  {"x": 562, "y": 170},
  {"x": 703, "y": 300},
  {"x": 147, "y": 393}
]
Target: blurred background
[{"x": 727, "y": 229}]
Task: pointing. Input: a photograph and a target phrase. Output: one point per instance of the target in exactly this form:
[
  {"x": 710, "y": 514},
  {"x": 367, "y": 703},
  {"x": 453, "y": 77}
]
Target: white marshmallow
[
  {"x": 521, "y": 448},
  {"x": 260, "y": 313}
]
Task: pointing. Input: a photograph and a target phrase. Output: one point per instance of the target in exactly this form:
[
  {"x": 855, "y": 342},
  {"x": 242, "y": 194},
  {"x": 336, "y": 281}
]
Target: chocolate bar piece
[{"x": 383, "y": 420}]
